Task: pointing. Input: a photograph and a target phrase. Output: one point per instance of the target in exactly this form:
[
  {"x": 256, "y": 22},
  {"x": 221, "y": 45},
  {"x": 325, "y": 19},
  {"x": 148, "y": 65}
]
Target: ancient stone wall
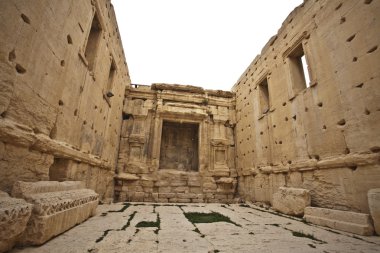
[
  {"x": 60, "y": 63},
  {"x": 320, "y": 135},
  {"x": 177, "y": 145}
]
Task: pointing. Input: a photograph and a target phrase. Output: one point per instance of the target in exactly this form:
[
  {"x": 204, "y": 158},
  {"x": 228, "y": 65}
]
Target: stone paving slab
[{"x": 164, "y": 228}]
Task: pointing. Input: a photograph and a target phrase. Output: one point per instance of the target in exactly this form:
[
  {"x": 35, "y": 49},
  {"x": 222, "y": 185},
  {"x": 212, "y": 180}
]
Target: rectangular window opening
[
  {"x": 179, "y": 146},
  {"x": 111, "y": 76},
  {"x": 93, "y": 42},
  {"x": 264, "y": 96},
  {"x": 299, "y": 69}
]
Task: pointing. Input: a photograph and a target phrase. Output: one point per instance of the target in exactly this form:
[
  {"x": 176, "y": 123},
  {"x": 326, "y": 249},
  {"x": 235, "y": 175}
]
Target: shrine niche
[{"x": 177, "y": 145}]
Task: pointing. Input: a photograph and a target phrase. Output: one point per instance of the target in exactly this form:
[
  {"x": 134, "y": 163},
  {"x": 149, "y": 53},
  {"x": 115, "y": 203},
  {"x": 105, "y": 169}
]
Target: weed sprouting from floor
[
  {"x": 129, "y": 221},
  {"x": 149, "y": 224},
  {"x": 195, "y": 217},
  {"x": 126, "y": 205},
  {"x": 301, "y": 234},
  {"x": 105, "y": 233},
  {"x": 196, "y": 230}
]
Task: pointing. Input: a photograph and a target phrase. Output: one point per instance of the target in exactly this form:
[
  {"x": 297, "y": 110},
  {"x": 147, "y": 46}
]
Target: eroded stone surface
[
  {"x": 291, "y": 201},
  {"x": 374, "y": 207},
  {"x": 57, "y": 206},
  {"x": 114, "y": 229},
  {"x": 14, "y": 215}
]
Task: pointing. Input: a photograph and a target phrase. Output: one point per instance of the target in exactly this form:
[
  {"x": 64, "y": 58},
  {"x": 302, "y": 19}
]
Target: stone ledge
[
  {"x": 22, "y": 135},
  {"x": 357, "y": 223}
]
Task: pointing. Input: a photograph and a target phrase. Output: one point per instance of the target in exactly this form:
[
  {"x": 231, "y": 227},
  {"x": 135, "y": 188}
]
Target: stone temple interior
[{"x": 75, "y": 133}]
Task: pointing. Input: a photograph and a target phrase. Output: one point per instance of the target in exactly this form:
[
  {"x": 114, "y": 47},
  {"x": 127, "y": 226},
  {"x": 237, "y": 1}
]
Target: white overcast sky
[{"x": 207, "y": 43}]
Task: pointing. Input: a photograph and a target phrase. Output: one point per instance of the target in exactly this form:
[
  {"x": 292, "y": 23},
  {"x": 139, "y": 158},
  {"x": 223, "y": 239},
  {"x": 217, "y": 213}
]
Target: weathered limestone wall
[
  {"x": 324, "y": 138},
  {"x": 172, "y": 169},
  {"x": 58, "y": 61}
]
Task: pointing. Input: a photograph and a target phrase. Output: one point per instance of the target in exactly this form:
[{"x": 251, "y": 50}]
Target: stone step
[{"x": 357, "y": 223}]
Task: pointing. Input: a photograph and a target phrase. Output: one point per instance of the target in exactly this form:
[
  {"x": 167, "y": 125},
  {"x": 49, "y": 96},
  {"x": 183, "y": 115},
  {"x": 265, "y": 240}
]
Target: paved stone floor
[{"x": 145, "y": 227}]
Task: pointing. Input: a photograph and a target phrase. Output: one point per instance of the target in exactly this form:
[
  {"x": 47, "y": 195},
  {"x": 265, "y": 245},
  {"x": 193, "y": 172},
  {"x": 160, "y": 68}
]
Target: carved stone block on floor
[{"x": 291, "y": 201}]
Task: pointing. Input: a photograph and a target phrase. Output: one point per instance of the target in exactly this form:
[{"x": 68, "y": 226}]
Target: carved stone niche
[
  {"x": 179, "y": 146},
  {"x": 219, "y": 157}
]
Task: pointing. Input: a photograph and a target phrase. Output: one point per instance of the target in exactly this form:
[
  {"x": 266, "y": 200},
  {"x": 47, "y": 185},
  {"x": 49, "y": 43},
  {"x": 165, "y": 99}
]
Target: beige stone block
[
  {"x": 164, "y": 189},
  {"x": 357, "y": 223},
  {"x": 14, "y": 216},
  {"x": 180, "y": 200},
  {"x": 291, "y": 201},
  {"x": 163, "y": 200},
  {"x": 180, "y": 189},
  {"x": 178, "y": 183},
  {"x": 374, "y": 207},
  {"x": 186, "y": 195},
  {"x": 209, "y": 186},
  {"x": 195, "y": 189},
  {"x": 167, "y": 195}
]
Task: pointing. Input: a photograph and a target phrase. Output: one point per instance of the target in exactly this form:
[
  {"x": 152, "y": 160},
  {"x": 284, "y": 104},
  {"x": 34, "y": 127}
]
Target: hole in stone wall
[
  {"x": 306, "y": 109},
  {"x": 63, "y": 63},
  {"x": 355, "y": 59},
  {"x": 341, "y": 122},
  {"x": 360, "y": 85},
  {"x": 286, "y": 119},
  {"x": 317, "y": 157},
  {"x": 375, "y": 149},
  {"x": 127, "y": 116},
  {"x": 338, "y": 7},
  {"x": 372, "y": 50},
  {"x": 324, "y": 127},
  {"x": 60, "y": 102},
  {"x": 283, "y": 104},
  {"x": 353, "y": 167},
  {"x": 69, "y": 39},
  {"x": 75, "y": 112},
  {"x": 342, "y": 20},
  {"x": 12, "y": 55},
  {"x": 320, "y": 104},
  {"x": 25, "y": 18},
  {"x": 366, "y": 111},
  {"x": 295, "y": 117},
  {"x": 349, "y": 39},
  {"x": 347, "y": 151},
  {"x": 20, "y": 69}
]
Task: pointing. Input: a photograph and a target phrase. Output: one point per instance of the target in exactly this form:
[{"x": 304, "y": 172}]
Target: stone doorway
[{"x": 179, "y": 146}]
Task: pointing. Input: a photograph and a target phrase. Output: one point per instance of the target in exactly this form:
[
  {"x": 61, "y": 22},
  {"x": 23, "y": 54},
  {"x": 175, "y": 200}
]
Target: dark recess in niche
[
  {"x": 69, "y": 39},
  {"x": 127, "y": 116}
]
